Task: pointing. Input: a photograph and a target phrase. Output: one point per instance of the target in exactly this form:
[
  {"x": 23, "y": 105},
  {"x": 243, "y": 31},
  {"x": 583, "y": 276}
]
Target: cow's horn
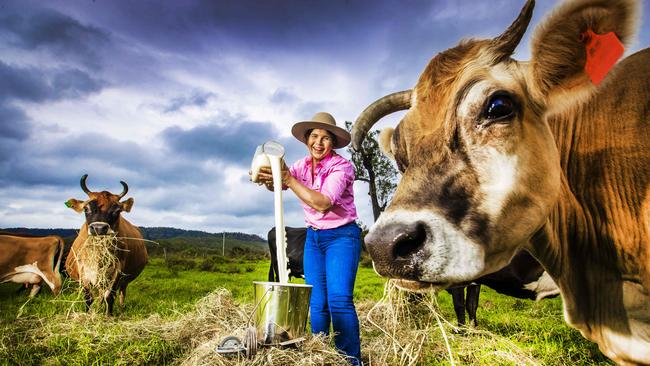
[
  {"x": 83, "y": 184},
  {"x": 126, "y": 189},
  {"x": 506, "y": 43},
  {"x": 381, "y": 107}
]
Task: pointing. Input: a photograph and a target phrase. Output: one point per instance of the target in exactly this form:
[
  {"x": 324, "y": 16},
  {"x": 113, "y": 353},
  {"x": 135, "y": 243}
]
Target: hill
[
  {"x": 164, "y": 240},
  {"x": 150, "y": 233}
]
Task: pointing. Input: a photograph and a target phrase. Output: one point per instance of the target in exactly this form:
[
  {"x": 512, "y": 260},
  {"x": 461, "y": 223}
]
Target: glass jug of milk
[
  {"x": 261, "y": 158},
  {"x": 271, "y": 154}
]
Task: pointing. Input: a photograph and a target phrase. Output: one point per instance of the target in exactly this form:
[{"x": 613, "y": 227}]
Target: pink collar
[{"x": 308, "y": 159}]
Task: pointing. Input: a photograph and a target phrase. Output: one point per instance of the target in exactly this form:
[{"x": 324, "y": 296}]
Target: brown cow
[
  {"x": 102, "y": 210},
  {"x": 497, "y": 155},
  {"x": 29, "y": 259}
]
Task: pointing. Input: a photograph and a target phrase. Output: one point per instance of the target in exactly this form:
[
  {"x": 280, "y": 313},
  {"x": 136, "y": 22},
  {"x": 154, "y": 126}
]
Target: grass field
[{"x": 154, "y": 327}]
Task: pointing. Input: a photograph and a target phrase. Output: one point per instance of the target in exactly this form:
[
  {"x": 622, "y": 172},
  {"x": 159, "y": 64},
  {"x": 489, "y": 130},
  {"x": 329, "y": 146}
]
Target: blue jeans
[{"x": 331, "y": 260}]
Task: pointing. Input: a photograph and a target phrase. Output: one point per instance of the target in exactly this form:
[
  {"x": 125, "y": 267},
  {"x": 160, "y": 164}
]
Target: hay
[
  {"x": 403, "y": 329},
  {"x": 397, "y": 330},
  {"x": 99, "y": 264},
  {"x": 217, "y": 316}
]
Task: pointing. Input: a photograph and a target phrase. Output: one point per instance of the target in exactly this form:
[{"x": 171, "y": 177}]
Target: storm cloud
[{"x": 174, "y": 97}]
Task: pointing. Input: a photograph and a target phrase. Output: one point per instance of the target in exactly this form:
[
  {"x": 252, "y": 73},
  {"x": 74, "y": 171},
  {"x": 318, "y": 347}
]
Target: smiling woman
[{"x": 323, "y": 182}]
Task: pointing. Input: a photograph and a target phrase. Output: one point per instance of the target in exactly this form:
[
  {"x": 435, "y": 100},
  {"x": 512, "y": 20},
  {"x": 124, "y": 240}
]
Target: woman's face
[{"x": 319, "y": 143}]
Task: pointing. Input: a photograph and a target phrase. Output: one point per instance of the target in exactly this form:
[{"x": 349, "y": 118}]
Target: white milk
[{"x": 271, "y": 154}]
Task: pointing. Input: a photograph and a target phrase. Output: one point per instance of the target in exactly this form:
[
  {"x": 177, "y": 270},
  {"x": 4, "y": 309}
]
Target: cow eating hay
[
  {"x": 498, "y": 154},
  {"x": 116, "y": 254}
]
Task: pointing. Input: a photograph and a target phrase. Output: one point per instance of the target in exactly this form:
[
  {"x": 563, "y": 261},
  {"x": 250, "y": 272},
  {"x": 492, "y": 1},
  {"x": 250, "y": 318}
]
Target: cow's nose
[
  {"x": 408, "y": 242},
  {"x": 396, "y": 248},
  {"x": 98, "y": 228}
]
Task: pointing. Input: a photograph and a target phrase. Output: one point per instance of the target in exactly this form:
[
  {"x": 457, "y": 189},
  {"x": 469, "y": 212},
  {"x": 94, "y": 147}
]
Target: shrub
[{"x": 180, "y": 264}]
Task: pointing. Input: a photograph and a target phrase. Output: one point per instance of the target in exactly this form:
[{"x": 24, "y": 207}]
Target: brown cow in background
[
  {"x": 102, "y": 211},
  {"x": 29, "y": 259}
]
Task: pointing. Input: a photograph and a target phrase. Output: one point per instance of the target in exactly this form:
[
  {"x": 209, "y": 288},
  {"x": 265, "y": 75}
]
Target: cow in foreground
[
  {"x": 103, "y": 217},
  {"x": 31, "y": 260},
  {"x": 497, "y": 155}
]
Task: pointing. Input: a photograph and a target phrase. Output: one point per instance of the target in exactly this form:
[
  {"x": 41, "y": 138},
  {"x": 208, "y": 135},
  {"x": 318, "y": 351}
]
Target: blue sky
[{"x": 173, "y": 97}]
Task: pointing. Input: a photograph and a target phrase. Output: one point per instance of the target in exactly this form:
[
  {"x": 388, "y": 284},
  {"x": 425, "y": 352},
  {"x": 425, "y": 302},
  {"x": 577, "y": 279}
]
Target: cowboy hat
[{"x": 323, "y": 121}]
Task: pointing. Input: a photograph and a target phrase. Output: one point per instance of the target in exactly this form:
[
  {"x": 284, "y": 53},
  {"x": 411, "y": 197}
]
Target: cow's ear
[
  {"x": 126, "y": 205},
  {"x": 386, "y": 142},
  {"x": 75, "y": 205},
  {"x": 559, "y": 47}
]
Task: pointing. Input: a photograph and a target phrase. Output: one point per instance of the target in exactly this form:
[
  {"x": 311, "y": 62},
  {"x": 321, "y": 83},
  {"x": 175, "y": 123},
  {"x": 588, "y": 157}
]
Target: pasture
[{"x": 162, "y": 324}]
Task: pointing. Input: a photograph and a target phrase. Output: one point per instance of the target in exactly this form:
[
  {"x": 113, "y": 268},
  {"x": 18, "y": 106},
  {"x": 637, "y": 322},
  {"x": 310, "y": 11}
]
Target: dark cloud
[
  {"x": 233, "y": 141},
  {"x": 49, "y": 30},
  {"x": 107, "y": 160},
  {"x": 22, "y": 83},
  {"x": 37, "y": 85},
  {"x": 14, "y": 124},
  {"x": 74, "y": 83},
  {"x": 341, "y": 26},
  {"x": 197, "y": 98}
]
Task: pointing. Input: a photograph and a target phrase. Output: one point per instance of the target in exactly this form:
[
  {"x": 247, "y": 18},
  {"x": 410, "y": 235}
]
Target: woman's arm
[{"x": 312, "y": 198}]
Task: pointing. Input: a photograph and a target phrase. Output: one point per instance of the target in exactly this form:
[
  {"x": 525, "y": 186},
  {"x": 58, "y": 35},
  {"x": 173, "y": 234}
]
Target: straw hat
[{"x": 323, "y": 121}]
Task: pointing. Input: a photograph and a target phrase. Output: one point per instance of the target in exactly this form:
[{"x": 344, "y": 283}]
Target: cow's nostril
[{"x": 409, "y": 242}]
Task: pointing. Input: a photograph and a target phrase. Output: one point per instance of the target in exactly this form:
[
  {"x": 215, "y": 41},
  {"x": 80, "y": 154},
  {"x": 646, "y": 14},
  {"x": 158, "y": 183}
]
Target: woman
[{"x": 323, "y": 182}]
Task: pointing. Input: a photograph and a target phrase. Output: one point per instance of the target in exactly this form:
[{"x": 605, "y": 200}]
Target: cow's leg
[
  {"x": 35, "y": 289},
  {"x": 110, "y": 295},
  {"x": 122, "y": 295},
  {"x": 88, "y": 296},
  {"x": 471, "y": 303},
  {"x": 458, "y": 297},
  {"x": 110, "y": 300},
  {"x": 271, "y": 274}
]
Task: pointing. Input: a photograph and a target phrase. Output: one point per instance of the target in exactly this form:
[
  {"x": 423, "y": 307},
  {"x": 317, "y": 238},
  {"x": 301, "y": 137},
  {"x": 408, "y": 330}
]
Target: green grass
[{"x": 36, "y": 332}]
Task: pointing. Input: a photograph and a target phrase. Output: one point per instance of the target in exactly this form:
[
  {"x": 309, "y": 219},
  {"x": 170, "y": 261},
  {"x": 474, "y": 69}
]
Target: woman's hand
[{"x": 265, "y": 176}]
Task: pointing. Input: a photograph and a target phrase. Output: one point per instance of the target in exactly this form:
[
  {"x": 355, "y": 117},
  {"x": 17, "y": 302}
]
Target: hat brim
[{"x": 342, "y": 136}]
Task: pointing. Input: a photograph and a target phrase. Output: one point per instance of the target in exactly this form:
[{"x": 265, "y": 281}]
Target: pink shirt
[{"x": 333, "y": 177}]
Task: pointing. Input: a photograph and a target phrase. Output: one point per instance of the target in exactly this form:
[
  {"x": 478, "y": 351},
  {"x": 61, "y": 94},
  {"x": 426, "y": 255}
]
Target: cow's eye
[
  {"x": 499, "y": 107},
  {"x": 87, "y": 209},
  {"x": 116, "y": 210}
]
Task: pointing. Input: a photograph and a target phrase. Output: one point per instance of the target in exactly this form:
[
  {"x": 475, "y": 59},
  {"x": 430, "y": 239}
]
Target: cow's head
[
  {"x": 102, "y": 209},
  {"x": 480, "y": 167}
]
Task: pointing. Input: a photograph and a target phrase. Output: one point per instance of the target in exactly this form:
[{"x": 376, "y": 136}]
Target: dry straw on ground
[{"x": 398, "y": 330}]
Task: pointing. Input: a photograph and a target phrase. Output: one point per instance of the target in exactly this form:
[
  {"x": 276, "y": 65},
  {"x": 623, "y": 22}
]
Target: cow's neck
[{"x": 595, "y": 242}]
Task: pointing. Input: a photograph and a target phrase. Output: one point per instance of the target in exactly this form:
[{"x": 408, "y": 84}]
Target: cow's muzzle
[
  {"x": 99, "y": 228},
  {"x": 398, "y": 249}
]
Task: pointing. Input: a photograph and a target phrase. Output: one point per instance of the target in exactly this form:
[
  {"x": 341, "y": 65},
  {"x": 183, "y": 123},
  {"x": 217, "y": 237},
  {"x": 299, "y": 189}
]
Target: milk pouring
[{"x": 271, "y": 154}]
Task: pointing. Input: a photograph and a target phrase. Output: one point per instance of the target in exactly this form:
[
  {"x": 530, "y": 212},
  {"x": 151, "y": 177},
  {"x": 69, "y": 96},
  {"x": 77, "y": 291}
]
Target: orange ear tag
[{"x": 603, "y": 50}]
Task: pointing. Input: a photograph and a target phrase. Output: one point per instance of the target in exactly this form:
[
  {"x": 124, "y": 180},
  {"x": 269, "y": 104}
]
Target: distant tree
[{"x": 375, "y": 169}]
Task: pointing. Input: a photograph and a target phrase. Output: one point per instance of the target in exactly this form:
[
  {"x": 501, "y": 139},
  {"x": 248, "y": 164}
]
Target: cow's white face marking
[
  {"x": 496, "y": 168},
  {"x": 497, "y": 176},
  {"x": 474, "y": 98}
]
